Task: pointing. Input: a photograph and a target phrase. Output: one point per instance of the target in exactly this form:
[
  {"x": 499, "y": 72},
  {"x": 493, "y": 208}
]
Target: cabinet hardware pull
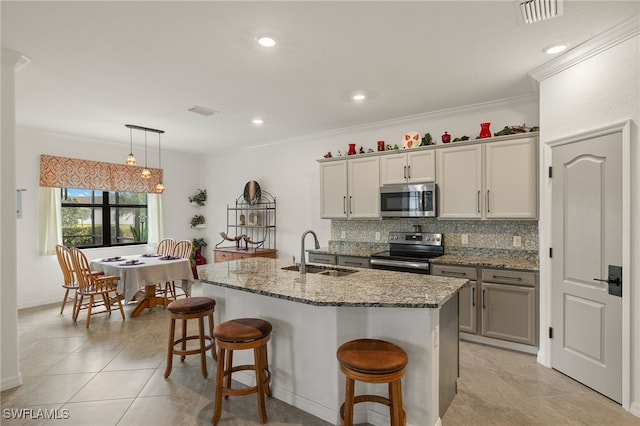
[
  {"x": 473, "y": 296},
  {"x": 346, "y": 262},
  {"x": 500, "y": 277},
  {"x": 483, "y": 305},
  {"x": 404, "y": 173},
  {"x": 408, "y": 172},
  {"x": 350, "y": 206},
  {"x": 459, "y": 274},
  {"x": 344, "y": 204},
  {"x": 478, "y": 201},
  {"x": 488, "y": 209}
]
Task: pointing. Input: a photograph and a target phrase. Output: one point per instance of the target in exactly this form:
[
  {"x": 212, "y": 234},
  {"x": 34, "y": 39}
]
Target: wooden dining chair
[
  {"x": 69, "y": 281},
  {"x": 183, "y": 250},
  {"x": 166, "y": 246},
  {"x": 100, "y": 289}
]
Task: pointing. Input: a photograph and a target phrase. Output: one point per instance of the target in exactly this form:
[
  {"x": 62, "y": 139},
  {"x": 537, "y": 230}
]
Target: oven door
[
  {"x": 416, "y": 267},
  {"x": 408, "y": 200}
]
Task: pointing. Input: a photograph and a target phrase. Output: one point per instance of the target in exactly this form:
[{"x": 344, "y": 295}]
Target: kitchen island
[{"x": 314, "y": 314}]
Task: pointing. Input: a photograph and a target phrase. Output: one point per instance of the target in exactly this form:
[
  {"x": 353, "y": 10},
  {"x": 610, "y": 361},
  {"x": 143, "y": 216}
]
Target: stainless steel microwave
[{"x": 418, "y": 200}]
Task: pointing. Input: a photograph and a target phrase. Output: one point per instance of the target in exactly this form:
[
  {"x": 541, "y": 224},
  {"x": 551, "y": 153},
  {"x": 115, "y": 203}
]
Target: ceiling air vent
[
  {"x": 202, "y": 110},
  {"x": 532, "y": 11}
]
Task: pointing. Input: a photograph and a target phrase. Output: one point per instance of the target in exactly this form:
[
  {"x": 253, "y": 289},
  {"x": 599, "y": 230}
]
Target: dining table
[{"x": 140, "y": 274}]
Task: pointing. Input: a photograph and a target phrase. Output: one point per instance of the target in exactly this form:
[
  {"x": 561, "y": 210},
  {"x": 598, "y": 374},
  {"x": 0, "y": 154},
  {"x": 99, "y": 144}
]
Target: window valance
[{"x": 62, "y": 172}]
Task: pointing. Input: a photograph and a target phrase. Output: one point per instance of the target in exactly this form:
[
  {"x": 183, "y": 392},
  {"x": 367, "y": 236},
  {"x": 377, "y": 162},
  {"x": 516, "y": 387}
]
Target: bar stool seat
[
  {"x": 238, "y": 334},
  {"x": 373, "y": 361},
  {"x": 186, "y": 309}
]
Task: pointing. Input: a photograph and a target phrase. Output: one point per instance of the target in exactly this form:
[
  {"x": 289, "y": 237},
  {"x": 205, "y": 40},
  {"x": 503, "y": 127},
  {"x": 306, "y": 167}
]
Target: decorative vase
[
  {"x": 199, "y": 260},
  {"x": 446, "y": 137},
  {"x": 380, "y": 145},
  {"x": 485, "y": 132},
  {"x": 352, "y": 149}
]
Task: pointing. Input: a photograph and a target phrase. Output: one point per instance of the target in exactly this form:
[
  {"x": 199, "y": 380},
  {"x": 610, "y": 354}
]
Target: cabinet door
[
  {"x": 509, "y": 312},
  {"x": 511, "y": 178},
  {"x": 460, "y": 182},
  {"x": 468, "y": 299},
  {"x": 393, "y": 169},
  {"x": 421, "y": 166},
  {"x": 364, "y": 187},
  {"x": 333, "y": 189}
]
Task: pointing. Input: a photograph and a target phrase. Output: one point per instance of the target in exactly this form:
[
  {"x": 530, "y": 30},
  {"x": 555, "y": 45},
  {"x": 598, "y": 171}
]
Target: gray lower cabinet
[
  {"x": 468, "y": 296},
  {"x": 500, "y": 304},
  {"x": 355, "y": 261},
  {"x": 332, "y": 259},
  {"x": 327, "y": 259},
  {"x": 509, "y": 306}
]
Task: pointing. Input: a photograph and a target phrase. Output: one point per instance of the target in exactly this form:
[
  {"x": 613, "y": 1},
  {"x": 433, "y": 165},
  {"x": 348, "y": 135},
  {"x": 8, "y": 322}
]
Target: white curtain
[
  {"x": 49, "y": 220},
  {"x": 155, "y": 229}
]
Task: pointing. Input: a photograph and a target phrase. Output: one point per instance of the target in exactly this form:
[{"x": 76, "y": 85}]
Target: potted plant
[
  {"x": 196, "y": 256},
  {"x": 199, "y": 198},
  {"x": 197, "y": 220}
]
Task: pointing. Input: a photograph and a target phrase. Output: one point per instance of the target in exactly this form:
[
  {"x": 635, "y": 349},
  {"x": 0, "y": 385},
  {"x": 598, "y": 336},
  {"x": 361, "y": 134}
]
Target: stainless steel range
[{"x": 409, "y": 252}]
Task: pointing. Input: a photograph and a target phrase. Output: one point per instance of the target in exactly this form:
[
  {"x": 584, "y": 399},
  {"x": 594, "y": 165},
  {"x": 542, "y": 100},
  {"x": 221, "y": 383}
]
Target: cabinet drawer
[
  {"x": 509, "y": 277},
  {"x": 355, "y": 261},
  {"x": 221, "y": 256},
  {"x": 327, "y": 259},
  {"x": 455, "y": 271}
]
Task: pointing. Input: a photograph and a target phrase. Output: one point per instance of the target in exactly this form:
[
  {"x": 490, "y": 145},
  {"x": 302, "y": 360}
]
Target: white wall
[
  {"x": 289, "y": 170},
  {"x": 599, "y": 91},
  {"x": 39, "y": 277}
]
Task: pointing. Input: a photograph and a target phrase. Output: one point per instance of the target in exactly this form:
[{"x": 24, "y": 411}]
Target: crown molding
[{"x": 623, "y": 31}]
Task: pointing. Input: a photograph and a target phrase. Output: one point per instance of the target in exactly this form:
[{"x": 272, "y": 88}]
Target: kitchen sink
[{"x": 321, "y": 270}]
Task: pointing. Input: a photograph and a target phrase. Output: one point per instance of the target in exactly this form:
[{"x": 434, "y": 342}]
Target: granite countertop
[
  {"x": 346, "y": 251},
  {"x": 487, "y": 262},
  {"x": 365, "y": 288}
]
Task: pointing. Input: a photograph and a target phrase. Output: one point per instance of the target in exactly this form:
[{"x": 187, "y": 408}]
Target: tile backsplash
[{"x": 483, "y": 238}]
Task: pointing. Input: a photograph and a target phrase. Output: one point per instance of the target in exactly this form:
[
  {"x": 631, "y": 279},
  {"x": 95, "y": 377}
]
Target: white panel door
[
  {"x": 460, "y": 182},
  {"x": 364, "y": 188},
  {"x": 421, "y": 166},
  {"x": 393, "y": 169},
  {"x": 587, "y": 238}
]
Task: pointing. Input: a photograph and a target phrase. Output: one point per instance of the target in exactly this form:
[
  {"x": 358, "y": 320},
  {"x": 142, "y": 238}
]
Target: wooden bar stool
[
  {"x": 186, "y": 309},
  {"x": 373, "y": 361},
  {"x": 238, "y": 334}
]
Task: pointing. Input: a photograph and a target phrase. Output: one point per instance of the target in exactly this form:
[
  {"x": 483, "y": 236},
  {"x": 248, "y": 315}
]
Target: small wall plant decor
[
  {"x": 197, "y": 220},
  {"x": 199, "y": 198}
]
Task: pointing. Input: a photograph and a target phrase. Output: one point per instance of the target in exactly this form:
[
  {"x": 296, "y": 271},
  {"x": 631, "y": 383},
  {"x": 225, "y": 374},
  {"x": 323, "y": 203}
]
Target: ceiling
[{"x": 96, "y": 66}]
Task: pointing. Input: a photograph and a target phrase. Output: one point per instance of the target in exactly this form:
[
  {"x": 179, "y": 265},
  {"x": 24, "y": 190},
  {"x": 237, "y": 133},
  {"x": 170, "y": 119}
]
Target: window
[{"x": 85, "y": 211}]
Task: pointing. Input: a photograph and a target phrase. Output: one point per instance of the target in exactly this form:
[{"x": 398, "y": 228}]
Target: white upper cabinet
[
  {"x": 493, "y": 180},
  {"x": 350, "y": 188},
  {"x": 511, "y": 179},
  {"x": 412, "y": 167},
  {"x": 460, "y": 182}
]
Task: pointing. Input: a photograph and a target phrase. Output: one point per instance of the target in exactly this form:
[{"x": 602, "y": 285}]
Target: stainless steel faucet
[{"x": 303, "y": 267}]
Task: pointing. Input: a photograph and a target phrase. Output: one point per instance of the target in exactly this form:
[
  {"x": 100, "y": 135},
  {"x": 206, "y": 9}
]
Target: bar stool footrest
[
  {"x": 250, "y": 390},
  {"x": 182, "y": 353}
]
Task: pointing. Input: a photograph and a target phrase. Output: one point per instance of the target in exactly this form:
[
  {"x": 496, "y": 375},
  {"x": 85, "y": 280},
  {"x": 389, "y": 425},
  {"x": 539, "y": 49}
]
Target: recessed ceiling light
[
  {"x": 555, "y": 48},
  {"x": 257, "y": 121},
  {"x": 266, "y": 41},
  {"x": 359, "y": 97}
]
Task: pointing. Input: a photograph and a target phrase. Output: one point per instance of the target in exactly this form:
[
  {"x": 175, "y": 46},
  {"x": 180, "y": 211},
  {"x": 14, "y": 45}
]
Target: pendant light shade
[
  {"x": 159, "y": 185},
  {"x": 131, "y": 159},
  {"x": 146, "y": 173}
]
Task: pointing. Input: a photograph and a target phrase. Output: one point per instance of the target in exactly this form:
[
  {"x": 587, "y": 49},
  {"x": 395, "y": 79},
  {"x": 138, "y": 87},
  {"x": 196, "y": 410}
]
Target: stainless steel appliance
[
  {"x": 409, "y": 252},
  {"x": 416, "y": 200}
]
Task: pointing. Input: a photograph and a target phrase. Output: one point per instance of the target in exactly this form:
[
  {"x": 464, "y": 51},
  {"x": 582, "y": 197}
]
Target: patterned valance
[{"x": 62, "y": 172}]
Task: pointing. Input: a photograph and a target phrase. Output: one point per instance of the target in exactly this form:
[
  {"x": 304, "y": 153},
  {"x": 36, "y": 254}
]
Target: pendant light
[
  {"x": 159, "y": 185},
  {"x": 131, "y": 159},
  {"x": 146, "y": 173}
]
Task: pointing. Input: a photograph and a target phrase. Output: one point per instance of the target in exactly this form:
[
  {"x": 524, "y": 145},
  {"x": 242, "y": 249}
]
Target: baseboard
[
  {"x": 635, "y": 408},
  {"x": 378, "y": 419},
  {"x": 533, "y": 350},
  {"x": 11, "y": 382}
]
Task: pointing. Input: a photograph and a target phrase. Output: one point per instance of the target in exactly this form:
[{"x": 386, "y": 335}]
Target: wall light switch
[
  {"x": 343, "y": 234},
  {"x": 517, "y": 241},
  {"x": 464, "y": 239},
  {"x": 377, "y": 236}
]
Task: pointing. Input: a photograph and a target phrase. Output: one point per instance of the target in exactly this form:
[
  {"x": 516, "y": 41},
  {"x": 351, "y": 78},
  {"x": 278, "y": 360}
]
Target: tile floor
[{"x": 112, "y": 374}]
